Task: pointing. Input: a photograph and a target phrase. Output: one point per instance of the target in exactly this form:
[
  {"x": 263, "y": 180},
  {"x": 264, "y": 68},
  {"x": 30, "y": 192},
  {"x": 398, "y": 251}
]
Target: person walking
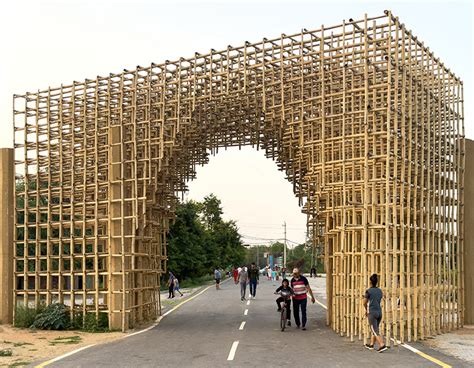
[
  {"x": 274, "y": 275},
  {"x": 243, "y": 280},
  {"x": 235, "y": 274},
  {"x": 300, "y": 286},
  {"x": 176, "y": 286},
  {"x": 217, "y": 277},
  {"x": 372, "y": 299},
  {"x": 253, "y": 279},
  {"x": 171, "y": 285}
]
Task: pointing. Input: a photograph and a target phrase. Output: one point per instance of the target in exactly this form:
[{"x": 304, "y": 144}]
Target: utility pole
[
  {"x": 258, "y": 259},
  {"x": 284, "y": 247}
]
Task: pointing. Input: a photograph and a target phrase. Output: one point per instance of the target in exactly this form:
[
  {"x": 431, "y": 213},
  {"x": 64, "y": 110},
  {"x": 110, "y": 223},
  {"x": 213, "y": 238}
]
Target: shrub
[
  {"x": 54, "y": 317},
  {"x": 91, "y": 323},
  {"x": 25, "y": 315},
  {"x": 6, "y": 352}
]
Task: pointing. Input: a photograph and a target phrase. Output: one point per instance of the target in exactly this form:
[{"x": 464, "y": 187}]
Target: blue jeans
[
  {"x": 253, "y": 287},
  {"x": 297, "y": 304}
]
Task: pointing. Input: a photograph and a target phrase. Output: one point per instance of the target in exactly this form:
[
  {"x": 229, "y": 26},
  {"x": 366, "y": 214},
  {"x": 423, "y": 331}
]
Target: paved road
[{"x": 202, "y": 332}]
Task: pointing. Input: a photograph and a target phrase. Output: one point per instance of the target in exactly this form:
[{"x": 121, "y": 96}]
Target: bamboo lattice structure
[{"x": 366, "y": 122}]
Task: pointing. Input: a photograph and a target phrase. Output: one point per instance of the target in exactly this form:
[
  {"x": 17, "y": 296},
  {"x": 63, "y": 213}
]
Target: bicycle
[{"x": 283, "y": 314}]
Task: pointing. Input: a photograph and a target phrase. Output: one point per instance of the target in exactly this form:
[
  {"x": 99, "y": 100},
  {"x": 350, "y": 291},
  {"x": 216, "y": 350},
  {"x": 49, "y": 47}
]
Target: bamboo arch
[{"x": 366, "y": 122}]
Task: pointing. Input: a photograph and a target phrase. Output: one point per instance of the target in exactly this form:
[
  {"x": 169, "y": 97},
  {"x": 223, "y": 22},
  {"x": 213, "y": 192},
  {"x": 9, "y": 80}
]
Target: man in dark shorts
[
  {"x": 300, "y": 286},
  {"x": 217, "y": 277},
  {"x": 373, "y": 297}
]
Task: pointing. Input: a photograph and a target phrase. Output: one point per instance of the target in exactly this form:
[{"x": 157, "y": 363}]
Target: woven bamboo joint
[{"x": 364, "y": 120}]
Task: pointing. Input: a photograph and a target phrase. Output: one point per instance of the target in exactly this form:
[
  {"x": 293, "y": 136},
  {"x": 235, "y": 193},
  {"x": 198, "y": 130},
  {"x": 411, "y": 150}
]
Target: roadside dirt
[
  {"x": 28, "y": 346},
  {"x": 459, "y": 343}
]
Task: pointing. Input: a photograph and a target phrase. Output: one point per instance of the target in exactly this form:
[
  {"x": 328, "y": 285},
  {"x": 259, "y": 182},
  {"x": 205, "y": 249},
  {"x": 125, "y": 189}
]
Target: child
[
  {"x": 373, "y": 297},
  {"x": 286, "y": 292},
  {"x": 176, "y": 286}
]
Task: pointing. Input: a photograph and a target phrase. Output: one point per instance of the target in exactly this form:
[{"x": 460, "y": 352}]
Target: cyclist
[{"x": 286, "y": 292}]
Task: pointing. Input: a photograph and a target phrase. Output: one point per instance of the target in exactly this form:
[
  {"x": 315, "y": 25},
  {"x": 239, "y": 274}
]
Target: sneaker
[
  {"x": 370, "y": 347},
  {"x": 382, "y": 349},
  {"x": 289, "y": 323},
  {"x": 304, "y": 328}
]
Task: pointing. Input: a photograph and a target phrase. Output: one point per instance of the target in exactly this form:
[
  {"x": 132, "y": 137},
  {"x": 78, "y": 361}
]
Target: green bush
[
  {"x": 91, "y": 323},
  {"x": 6, "y": 352},
  {"x": 54, "y": 317},
  {"x": 25, "y": 315}
]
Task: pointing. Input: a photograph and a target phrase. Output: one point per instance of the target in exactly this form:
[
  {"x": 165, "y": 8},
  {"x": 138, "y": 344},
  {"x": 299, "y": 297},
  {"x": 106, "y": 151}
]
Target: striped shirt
[{"x": 299, "y": 287}]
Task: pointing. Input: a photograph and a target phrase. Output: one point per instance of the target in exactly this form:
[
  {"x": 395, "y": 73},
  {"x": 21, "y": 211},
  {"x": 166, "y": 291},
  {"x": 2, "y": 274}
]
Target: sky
[{"x": 46, "y": 43}]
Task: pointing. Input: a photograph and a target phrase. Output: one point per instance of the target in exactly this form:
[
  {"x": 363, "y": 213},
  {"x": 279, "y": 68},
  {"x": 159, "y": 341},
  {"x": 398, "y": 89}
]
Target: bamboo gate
[{"x": 365, "y": 121}]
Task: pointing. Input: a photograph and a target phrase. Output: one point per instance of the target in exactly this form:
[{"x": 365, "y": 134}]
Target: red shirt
[{"x": 299, "y": 287}]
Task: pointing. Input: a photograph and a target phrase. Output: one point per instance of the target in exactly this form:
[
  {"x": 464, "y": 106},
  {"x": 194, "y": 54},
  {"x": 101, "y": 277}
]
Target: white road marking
[
  {"x": 246, "y": 312},
  {"x": 242, "y": 325},
  {"x": 321, "y": 304},
  {"x": 232, "y": 351},
  {"x": 248, "y": 302}
]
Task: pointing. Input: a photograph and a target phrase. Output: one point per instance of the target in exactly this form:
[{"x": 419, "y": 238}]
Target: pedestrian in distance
[
  {"x": 312, "y": 272},
  {"x": 274, "y": 275},
  {"x": 285, "y": 289},
  {"x": 235, "y": 273},
  {"x": 243, "y": 280},
  {"x": 373, "y": 312},
  {"x": 170, "y": 285},
  {"x": 176, "y": 286},
  {"x": 217, "y": 277},
  {"x": 300, "y": 286},
  {"x": 269, "y": 273},
  {"x": 253, "y": 275}
]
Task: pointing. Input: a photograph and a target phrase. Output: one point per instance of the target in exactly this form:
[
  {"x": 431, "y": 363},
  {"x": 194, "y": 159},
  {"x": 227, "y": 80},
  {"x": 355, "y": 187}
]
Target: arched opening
[{"x": 365, "y": 122}]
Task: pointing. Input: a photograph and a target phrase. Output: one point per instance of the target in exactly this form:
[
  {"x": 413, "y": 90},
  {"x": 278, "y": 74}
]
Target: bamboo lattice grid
[{"x": 366, "y": 122}]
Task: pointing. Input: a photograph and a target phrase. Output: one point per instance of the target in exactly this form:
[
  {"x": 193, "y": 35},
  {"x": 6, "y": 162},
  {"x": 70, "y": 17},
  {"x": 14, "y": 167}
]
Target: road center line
[
  {"x": 232, "y": 351},
  {"x": 246, "y": 312},
  {"x": 242, "y": 325},
  {"x": 248, "y": 302}
]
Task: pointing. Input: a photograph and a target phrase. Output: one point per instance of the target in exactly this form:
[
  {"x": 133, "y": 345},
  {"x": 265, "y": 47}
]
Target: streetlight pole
[{"x": 258, "y": 259}]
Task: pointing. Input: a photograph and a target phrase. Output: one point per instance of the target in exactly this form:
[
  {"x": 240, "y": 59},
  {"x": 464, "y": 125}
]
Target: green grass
[
  {"x": 66, "y": 340},
  {"x": 197, "y": 281},
  {"x": 16, "y": 344},
  {"x": 6, "y": 352},
  {"x": 25, "y": 315}
]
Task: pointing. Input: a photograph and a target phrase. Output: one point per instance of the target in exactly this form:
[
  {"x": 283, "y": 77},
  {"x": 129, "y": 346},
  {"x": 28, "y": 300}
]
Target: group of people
[
  {"x": 273, "y": 274},
  {"x": 247, "y": 276},
  {"x": 298, "y": 288}
]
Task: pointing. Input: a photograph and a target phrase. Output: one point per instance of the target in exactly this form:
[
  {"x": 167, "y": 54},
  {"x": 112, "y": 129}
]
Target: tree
[{"x": 200, "y": 240}]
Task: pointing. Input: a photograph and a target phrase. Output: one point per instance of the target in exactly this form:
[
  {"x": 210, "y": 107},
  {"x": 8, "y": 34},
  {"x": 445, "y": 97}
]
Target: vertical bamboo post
[{"x": 7, "y": 182}]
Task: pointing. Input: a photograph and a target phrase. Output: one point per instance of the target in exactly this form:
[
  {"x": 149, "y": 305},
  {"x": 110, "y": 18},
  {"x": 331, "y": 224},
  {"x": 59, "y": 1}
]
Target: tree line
[{"x": 200, "y": 240}]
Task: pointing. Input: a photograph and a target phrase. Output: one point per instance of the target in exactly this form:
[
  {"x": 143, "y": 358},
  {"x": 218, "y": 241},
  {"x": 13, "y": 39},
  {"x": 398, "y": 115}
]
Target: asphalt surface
[{"x": 202, "y": 332}]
